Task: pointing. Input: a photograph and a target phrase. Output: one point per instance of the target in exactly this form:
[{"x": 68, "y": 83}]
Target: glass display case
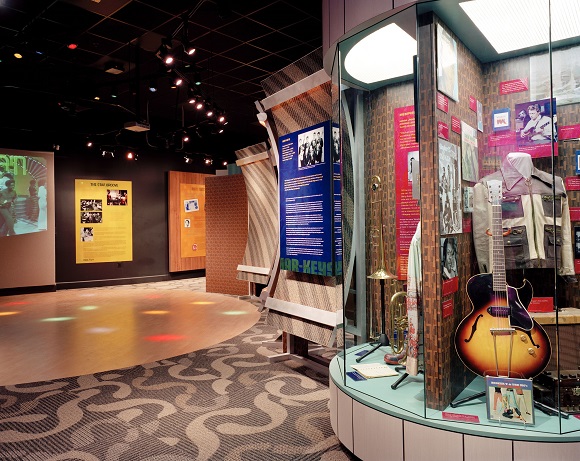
[{"x": 460, "y": 149}]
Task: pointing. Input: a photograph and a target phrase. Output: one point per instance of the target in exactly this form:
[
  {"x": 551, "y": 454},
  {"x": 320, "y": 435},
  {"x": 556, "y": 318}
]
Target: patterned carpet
[{"x": 223, "y": 403}]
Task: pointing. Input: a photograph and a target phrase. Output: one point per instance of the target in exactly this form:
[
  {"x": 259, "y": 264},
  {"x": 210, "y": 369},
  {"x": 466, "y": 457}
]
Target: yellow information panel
[
  {"x": 192, "y": 216},
  {"x": 103, "y": 221}
]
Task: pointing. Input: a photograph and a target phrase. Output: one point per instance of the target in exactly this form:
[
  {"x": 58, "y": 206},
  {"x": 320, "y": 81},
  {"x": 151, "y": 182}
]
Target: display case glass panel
[{"x": 461, "y": 211}]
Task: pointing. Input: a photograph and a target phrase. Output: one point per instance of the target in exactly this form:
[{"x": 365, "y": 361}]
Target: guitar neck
[{"x": 499, "y": 280}]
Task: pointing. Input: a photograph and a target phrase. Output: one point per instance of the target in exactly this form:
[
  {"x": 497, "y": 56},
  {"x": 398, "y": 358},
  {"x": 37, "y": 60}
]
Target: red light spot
[
  {"x": 15, "y": 303},
  {"x": 72, "y": 46},
  {"x": 164, "y": 338}
]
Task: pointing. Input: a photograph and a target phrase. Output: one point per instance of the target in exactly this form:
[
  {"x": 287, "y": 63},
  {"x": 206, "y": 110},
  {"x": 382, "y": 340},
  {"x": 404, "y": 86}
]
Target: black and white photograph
[
  {"x": 449, "y": 188},
  {"x": 311, "y": 147},
  {"x": 335, "y": 145},
  {"x": 565, "y": 76},
  {"x": 447, "y": 80},
  {"x": 91, "y": 205},
  {"x": 86, "y": 234},
  {"x": 469, "y": 153},
  {"x": 91, "y": 217},
  {"x": 448, "y": 258}
]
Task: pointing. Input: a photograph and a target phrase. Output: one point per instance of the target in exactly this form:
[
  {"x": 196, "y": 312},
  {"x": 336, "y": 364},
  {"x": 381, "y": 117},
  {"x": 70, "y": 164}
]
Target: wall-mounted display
[
  {"x": 565, "y": 67},
  {"x": 536, "y": 127},
  {"x": 103, "y": 221},
  {"x": 469, "y": 153},
  {"x": 192, "y": 215},
  {"x": 449, "y": 190},
  {"x": 447, "y": 80},
  {"x": 500, "y": 119}
]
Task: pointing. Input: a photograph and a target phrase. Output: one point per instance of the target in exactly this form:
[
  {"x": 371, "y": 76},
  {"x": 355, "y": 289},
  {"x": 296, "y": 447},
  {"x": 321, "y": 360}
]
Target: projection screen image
[{"x": 23, "y": 194}]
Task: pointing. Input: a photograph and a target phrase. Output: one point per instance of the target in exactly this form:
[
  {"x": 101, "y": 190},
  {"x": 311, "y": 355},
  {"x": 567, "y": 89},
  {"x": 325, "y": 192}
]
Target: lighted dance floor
[{"x": 74, "y": 332}]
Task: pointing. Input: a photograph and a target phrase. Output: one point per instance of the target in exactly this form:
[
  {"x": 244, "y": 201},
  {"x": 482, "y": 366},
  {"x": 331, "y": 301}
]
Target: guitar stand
[
  {"x": 402, "y": 377},
  {"x": 466, "y": 399},
  {"x": 383, "y": 339}
]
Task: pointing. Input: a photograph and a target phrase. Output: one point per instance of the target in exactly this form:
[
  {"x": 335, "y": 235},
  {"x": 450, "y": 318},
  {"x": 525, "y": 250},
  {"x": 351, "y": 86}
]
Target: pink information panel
[{"x": 407, "y": 208}]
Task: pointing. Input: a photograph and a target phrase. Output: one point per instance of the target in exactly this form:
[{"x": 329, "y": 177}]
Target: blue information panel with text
[{"x": 309, "y": 215}]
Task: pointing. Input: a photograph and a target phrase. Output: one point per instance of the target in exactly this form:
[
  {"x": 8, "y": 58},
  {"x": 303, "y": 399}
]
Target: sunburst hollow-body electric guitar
[{"x": 498, "y": 337}]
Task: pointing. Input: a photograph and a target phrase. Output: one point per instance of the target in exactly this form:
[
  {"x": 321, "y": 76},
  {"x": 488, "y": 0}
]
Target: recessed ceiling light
[
  {"x": 375, "y": 59},
  {"x": 508, "y": 28}
]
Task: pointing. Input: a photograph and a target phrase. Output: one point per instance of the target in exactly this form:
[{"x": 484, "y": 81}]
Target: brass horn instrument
[
  {"x": 398, "y": 322},
  {"x": 377, "y": 232},
  {"x": 398, "y": 319}
]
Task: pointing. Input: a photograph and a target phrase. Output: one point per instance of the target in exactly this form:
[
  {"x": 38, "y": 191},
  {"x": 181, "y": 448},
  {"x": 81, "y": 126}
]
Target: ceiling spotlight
[
  {"x": 164, "y": 52},
  {"x": 17, "y": 55},
  {"x": 197, "y": 79},
  {"x": 114, "y": 92},
  {"x": 187, "y": 159},
  {"x": 153, "y": 86},
  {"x": 72, "y": 46},
  {"x": 177, "y": 80},
  {"x": 185, "y": 137},
  {"x": 208, "y": 161},
  {"x": 262, "y": 117},
  {"x": 209, "y": 112},
  {"x": 221, "y": 117},
  {"x": 189, "y": 48},
  {"x": 199, "y": 105},
  {"x": 225, "y": 163},
  {"x": 89, "y": 143}
]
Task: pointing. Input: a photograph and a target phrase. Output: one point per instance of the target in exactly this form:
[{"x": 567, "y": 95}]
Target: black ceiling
[{"x": 50, "y": 91}]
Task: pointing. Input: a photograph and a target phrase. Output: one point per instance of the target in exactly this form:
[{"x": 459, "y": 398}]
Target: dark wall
[{"x": 149, "y": 180}]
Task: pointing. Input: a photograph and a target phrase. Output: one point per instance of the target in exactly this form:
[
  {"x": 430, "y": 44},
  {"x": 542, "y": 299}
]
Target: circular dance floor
[{"x": 75, "y": 332}]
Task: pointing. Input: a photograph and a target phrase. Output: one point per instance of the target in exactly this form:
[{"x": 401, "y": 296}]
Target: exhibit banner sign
[
  {"x": 307, "y": 209},
  {"x": 103, "y": 221}
]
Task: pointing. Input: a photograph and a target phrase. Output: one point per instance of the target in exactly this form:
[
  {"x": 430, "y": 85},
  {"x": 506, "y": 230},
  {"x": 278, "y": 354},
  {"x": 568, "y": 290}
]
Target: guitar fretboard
[{"x": 499, "y": 281}]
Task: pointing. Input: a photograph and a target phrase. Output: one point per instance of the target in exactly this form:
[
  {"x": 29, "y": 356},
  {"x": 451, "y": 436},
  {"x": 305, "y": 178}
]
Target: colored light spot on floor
[
  {"x": 164, "y": 338},
  {"x": 88, "y": 308},
  {"x": 100, "y": 330},
  {"x": 235, "y": 313},
  {"x": 155, "y": 312},
  {"x": 57, "y": 319},
  {"x": 202, "y": 302},
  {"x": 15, "y": 303},
  {"x": 5, "y": 314}
]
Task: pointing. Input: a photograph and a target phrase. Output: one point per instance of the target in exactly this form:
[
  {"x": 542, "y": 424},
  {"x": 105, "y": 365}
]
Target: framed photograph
[
  {"x": 469, "y": 154},
  {"x": 534, "y": 124},
  {"x": 449, "y": 188},
  {"x": 510, "y": 400},
  {"x": 449, "y": 258},
  {"x": 479, "y": 116},
  {"x": 447, "y": 80},
  {"x": 565, "y": 76},
  {"x": 578, "y": 162},
  {"x": 500, "y": 119},
  {"x": 468, "y": 199}
]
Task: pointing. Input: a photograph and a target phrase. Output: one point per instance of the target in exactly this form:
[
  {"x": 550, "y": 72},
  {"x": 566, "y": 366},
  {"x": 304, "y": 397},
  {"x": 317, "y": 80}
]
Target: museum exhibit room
[{"x": 330, "y": 230}]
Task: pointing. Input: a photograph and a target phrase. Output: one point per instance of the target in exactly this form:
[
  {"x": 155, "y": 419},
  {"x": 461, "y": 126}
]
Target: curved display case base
[{"x": 377, "y": 429}]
